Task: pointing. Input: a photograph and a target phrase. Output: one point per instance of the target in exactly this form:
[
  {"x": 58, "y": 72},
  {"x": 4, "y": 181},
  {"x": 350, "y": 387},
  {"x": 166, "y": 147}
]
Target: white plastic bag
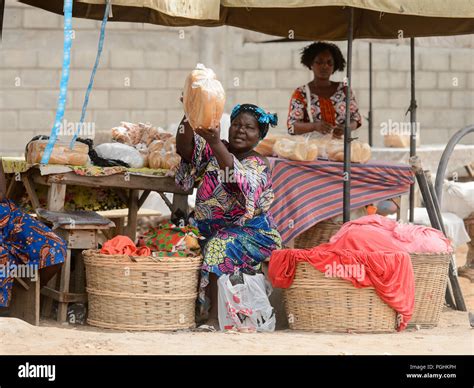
[
  {"x": 243, "y": 303},
  {"x": 123, "y": 152},
  {"x": 458, "y": 198}
]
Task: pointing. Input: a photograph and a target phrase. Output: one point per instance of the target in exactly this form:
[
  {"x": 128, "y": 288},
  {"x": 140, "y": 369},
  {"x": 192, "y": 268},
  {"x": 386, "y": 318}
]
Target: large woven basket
[
  {"x": 149, "y": 294},
  {"x": 431, "y": 277},
  {"x": 318, "y": 303},
  {"x": 318, "y": 234}
]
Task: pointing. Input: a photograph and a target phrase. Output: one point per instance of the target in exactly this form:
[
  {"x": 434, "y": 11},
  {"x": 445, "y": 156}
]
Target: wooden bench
[{"x": 119, "y": 218}]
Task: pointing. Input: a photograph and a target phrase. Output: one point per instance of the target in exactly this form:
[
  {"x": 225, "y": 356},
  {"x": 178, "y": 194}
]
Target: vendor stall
[
  {"x": 58, "y": 177},
  {"x": 309, "y": 192}
]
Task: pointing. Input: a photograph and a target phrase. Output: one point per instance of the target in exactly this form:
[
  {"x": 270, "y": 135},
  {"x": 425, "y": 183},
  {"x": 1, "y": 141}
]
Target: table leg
[
  {"x": 404, "y": 208},
  {"x": 56, "y": 197},
  {"x": 30, "y": 190},
  {"x": 25, "y": 303},
  {"x": 180, "y": 208},
  {"x": 64, "y": 287},
  {"x": 132, "y": 214}
]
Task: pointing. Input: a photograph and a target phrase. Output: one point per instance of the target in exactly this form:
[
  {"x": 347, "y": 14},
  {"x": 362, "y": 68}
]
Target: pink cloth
[{"x": 377, "y": 233}]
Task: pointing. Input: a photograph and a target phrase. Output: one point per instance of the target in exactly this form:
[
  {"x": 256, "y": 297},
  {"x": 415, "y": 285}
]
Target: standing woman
[{"x": 319, "y": 107}]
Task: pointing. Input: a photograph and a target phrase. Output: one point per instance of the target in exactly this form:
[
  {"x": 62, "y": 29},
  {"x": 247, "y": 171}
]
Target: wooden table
[{"x": 134, "y": 183}]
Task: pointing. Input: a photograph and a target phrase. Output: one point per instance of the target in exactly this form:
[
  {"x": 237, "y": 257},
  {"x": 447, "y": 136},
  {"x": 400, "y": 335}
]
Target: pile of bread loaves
[
  {"x": 141, "y": 145},
  {"x": 302, "y": 148}
]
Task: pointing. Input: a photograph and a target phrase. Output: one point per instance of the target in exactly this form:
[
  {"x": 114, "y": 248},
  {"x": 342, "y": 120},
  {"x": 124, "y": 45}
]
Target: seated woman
[
  {"x": 319, "y": 107},
  {"x": 24, "y": 241},
  {"x": 233, "y": 197}
]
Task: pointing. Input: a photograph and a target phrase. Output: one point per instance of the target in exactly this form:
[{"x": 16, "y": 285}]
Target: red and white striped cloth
[{"x": 309, "y": 192}]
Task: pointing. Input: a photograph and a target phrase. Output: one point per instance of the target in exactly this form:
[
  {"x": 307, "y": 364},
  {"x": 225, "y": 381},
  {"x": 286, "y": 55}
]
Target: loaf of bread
[
  {"x": 296, "y": 148},
  {"x": 156, "y": 146},
  {"x": 360, "y": 152},
  {"x": 62, "y": 154},
  {"x": 203, "y": 98},
  {"x": 155, "y": 160},
  {"x": 127, "y": 133},
  {"x": 396, "y": 141},
  {"x": 265, "y": 147}
]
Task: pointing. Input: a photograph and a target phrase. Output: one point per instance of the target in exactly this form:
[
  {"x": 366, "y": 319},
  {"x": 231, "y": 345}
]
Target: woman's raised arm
[{"x": 185, "y": 140}]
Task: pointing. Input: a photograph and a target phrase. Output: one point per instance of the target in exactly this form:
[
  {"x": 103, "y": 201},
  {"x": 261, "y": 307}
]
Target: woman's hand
[
  {"x": 323, "y": 127},
  {"x": 211, "y": 135},
  {"x": 338, "y": 131}
]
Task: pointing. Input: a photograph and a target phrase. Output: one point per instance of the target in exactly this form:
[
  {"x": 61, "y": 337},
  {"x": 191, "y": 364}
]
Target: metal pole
[
  {"x": 413, "y": 126},
  {"x": 371, "y": 123},
  {"x": 347, "y": 130}
]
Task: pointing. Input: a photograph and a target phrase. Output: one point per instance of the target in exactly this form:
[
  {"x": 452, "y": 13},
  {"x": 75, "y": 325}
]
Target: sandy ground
[{"x": 452, "y": 336}]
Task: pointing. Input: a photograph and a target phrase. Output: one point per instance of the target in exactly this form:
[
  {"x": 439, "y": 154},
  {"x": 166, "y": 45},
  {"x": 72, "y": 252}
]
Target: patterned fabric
[
  {"x": 24, "y": 241},
  {"x": 230, "y": 213},
  {"x": 235, "y": 196},
  {"x": 230, "y": 248},
  {"x": 167, "y": 236},
  {"x": 97, "y": 171},
  {"x": 309, "y": 192},
  {"x": 13, "y": 165},
  {"x": 298, "y": 107}
]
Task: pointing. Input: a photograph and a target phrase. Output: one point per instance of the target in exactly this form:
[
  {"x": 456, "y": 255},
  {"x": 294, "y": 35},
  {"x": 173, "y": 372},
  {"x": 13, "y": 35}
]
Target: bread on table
[{"x": 62, "y": 154}]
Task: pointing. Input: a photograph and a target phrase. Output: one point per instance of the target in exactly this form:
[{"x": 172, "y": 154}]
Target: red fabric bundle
[
  {"x": 123, "y": 245},
  {"x": 390, "y": 273},
  {"x": 378, "y": 245}
]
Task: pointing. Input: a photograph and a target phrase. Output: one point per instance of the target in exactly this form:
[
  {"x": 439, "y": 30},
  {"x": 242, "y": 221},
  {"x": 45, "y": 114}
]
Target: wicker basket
[
  {"x": 469, "y": 223},
  {"x": 317, "y": 303},
  {"x": 148, "y": 294},
  {"x": 431, "y": 277},
  {"x": 318, "y": 234}
]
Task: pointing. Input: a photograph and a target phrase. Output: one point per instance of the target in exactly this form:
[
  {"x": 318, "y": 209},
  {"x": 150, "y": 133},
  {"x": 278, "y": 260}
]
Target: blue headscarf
[{"x": 263, "y": 118}]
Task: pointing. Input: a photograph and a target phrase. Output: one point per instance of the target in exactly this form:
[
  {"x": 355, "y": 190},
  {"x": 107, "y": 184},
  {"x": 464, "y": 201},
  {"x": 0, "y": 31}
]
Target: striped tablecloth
[{"x": 309, "y": 192}]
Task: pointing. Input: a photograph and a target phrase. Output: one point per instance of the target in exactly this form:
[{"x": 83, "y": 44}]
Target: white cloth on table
[{"x": 430, "y": 155}]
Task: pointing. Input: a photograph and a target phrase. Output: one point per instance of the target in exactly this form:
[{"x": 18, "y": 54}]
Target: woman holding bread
[
  {"x": 233, "y": 196},
  {"x": 319, "y": 107}
]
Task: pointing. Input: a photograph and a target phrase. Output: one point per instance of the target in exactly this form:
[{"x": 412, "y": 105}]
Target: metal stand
[{"x": 436, "y": 220}]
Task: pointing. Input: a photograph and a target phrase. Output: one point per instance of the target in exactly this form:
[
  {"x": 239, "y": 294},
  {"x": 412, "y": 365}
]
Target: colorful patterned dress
[
  {"x": 230, "y": 212},
  {"x": 24, "y": 241},
  {"x": 331, "y": 109}
]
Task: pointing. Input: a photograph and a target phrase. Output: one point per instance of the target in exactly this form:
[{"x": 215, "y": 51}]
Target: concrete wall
[{"x": 143, "y": 68}]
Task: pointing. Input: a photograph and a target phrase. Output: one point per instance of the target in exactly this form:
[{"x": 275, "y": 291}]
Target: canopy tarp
[{"x": 299, "y": 19}]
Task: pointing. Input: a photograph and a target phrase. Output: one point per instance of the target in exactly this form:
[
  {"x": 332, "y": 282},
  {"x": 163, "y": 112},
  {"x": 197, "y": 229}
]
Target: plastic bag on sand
[
  {"x": 120, "y": 151},
  {"x": 243, "y": 303}
]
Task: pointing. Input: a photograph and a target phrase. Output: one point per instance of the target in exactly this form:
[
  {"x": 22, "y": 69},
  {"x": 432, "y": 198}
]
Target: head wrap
[{"x": 263, "y": 118}]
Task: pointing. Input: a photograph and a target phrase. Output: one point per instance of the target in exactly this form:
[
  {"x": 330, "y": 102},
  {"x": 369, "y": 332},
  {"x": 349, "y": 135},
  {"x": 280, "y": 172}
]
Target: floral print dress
[
  {"x": 321, "y": 107},
  {"x": 230, "y": 212},
  {"x": 24, "y": 241}
]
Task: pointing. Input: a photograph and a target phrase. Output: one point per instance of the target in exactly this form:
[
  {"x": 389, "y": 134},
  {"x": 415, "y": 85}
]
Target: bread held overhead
[{"x": 203, "y": 98}]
